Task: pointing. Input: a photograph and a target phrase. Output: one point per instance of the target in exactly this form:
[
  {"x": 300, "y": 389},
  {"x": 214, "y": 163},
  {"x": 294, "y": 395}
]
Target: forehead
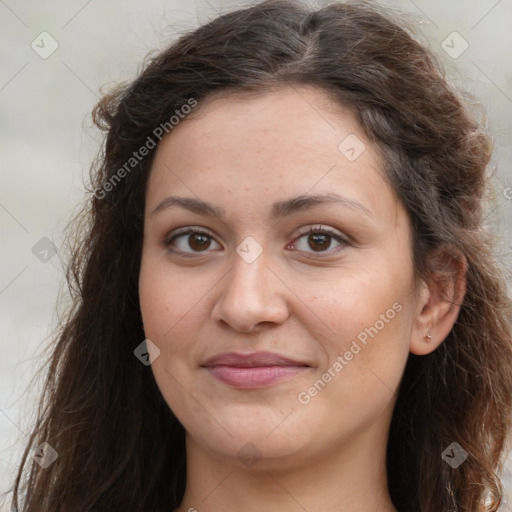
[{"x": 289, "y": 141}]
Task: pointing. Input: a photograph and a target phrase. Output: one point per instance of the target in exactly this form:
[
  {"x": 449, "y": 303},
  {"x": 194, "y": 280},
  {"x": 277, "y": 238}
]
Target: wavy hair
[{"x": 119, "y": 445}]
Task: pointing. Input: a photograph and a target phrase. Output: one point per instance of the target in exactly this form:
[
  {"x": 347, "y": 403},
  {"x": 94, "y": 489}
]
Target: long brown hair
[{"x": 119, "y": 445}]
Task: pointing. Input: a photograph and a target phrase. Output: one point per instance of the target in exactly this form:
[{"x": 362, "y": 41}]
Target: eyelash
[{"x": 312, "y": 230}]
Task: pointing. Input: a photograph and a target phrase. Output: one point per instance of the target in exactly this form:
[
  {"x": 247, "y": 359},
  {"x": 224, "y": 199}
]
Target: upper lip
[{"x": 252, "y": 360}]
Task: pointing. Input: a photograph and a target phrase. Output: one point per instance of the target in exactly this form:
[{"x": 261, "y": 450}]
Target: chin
[{"x": 255, "y": 453}]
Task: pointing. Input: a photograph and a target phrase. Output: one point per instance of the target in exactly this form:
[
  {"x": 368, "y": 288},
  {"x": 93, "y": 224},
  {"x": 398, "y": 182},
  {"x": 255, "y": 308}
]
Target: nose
[{"x": 252, "y": 297}]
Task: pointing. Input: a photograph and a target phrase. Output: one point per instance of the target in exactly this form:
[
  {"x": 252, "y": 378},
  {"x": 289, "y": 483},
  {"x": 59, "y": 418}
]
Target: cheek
[
  {"x": 171, "y": 299},
  {"x": 365, "y": 329},
  {"x": 364, "y": 354},
  {"x": 352, "y": 301},
  {"x": 171, "y": 307}
]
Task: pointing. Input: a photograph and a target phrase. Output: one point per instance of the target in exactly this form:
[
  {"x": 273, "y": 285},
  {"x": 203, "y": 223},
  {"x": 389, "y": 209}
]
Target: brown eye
[
  {"x": 319, "y": 240},
  {"x": 198, "y": 241},
  {"x": 189, "y": 241}
]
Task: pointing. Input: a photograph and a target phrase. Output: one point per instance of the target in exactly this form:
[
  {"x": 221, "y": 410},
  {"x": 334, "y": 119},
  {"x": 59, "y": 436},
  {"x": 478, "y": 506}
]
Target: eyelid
[
  {"x": 322, "y": 228},
  {"x": 187, "y": 230}
]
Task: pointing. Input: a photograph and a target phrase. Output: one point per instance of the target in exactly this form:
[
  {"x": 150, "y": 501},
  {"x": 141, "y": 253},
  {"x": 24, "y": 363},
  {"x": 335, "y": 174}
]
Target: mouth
[{"x": 253, "y": 371}]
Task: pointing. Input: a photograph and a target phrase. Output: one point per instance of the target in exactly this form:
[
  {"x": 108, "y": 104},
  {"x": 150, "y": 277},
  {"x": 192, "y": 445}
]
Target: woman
[{"x": 284, "y": 295}]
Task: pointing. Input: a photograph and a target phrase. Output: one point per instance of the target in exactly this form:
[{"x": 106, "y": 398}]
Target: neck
[{"x": 349, "y": 478}]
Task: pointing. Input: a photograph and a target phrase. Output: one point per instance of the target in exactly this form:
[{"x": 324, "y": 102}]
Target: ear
[{"x": 439, "y": 300}]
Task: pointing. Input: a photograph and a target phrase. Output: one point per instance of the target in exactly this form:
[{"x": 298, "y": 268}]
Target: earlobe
[{"x": 439, "y": 301}]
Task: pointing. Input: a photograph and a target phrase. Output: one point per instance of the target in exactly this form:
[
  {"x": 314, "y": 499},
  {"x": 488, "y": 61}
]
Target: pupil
[
  {"x": 198, "y": 241},
  {"x": 321, "y": 239}
]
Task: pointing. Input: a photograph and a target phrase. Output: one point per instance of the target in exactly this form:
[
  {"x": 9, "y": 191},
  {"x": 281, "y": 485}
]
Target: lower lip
[{"x": 253, "y": 377}]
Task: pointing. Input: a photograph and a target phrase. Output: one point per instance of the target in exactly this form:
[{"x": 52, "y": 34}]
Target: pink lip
[{"x": 256, "y": 370}]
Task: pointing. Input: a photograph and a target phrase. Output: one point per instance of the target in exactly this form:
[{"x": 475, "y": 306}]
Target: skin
[{"x": 301, "y": 299}]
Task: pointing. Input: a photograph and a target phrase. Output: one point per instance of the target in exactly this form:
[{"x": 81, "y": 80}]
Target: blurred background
[{"x": 55, "y": 58}]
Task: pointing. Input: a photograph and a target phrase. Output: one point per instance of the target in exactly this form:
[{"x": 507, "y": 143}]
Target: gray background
[{"x": 47, "y": 143}]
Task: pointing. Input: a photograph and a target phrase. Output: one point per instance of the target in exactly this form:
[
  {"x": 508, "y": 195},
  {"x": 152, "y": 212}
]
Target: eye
[
  {"x": 191, "y": 238},
  {"x": 319, "y": 240}
]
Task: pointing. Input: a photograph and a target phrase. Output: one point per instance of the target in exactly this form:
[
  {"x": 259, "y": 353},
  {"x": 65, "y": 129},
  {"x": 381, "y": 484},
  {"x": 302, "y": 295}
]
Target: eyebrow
[{"x": 279, "y": 210}]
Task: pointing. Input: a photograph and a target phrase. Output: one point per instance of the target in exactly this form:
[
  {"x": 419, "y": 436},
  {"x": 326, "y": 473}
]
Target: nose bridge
[
  {"x": 250, "y": 275},
  {"x": 250, "y": 294}
]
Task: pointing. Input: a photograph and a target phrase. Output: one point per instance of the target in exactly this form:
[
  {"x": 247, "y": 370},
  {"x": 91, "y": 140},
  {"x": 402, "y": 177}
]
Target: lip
[{"x": 254, "y": 370}]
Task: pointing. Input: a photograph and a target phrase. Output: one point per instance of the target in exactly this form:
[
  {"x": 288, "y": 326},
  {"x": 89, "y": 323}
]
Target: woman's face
[{"x": 275, "y": 342}]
